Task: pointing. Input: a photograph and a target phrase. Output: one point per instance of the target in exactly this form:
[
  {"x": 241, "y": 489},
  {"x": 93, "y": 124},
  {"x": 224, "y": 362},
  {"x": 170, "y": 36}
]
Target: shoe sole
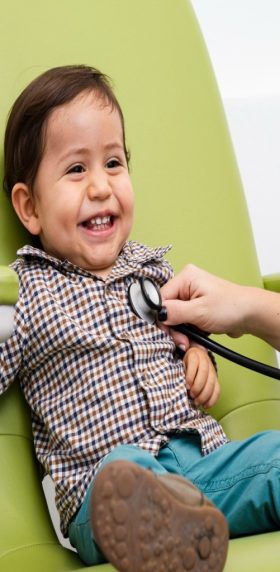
[{"x": 140, "y": 526}]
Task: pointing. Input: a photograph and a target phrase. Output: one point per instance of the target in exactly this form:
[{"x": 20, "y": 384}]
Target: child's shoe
[{"x": 145, "y": 522}]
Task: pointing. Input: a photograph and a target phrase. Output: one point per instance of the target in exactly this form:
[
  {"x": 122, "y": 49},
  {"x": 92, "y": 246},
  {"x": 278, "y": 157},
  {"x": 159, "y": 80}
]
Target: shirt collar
[{"x": 131, "y": 258}]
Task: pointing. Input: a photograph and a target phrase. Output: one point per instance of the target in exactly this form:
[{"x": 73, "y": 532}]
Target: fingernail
[
  {"x": 182, "y": 347},
  {"x": 162, "y": 314}
]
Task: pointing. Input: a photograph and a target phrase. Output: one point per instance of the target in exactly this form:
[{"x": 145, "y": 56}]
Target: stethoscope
[{"x": 145, "y": 300}]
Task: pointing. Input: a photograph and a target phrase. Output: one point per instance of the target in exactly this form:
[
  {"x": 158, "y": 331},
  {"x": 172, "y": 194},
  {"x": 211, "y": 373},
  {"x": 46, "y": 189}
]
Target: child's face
[{"x": 82, "y": 196}]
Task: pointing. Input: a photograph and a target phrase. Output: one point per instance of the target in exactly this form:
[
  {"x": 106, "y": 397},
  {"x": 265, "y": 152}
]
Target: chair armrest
[
  {"x": 8, "y": 297},
  {"x": 272, "y": 282},
  {"x": 8, "y": 286}
]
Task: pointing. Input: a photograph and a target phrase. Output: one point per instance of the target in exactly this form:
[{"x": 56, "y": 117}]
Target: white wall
[{"x": 243, "y": 40}]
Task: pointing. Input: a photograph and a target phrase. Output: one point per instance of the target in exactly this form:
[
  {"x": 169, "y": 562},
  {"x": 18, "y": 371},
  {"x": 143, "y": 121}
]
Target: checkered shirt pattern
[{"x": 94, "y": 374}]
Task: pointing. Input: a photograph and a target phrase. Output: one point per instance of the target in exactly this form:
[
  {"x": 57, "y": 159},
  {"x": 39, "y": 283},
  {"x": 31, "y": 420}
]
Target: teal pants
[{"x": 242, "y": 478}]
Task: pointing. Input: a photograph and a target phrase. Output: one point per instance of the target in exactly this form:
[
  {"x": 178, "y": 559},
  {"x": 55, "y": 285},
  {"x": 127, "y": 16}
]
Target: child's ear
[{"x": 24, "y": 205}]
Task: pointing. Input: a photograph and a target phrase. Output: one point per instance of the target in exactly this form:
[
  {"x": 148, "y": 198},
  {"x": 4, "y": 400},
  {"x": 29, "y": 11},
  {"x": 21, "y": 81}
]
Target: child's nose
[{"x": 99, "y": 187}]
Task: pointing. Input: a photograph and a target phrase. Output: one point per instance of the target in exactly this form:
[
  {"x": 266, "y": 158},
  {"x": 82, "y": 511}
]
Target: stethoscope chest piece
[{"x": 145, "y": 299}]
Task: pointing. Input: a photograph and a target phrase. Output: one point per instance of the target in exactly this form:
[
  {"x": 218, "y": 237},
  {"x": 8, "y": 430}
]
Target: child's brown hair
[{"x": 25, "y": 131}]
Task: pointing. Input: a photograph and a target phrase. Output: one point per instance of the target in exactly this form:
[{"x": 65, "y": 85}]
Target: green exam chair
[{"x": 188, "y": 193}]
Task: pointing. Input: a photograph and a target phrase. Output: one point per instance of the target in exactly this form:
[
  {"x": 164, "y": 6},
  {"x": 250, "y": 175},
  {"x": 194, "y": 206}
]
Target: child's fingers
[
  {"x": 210, "y": 393},
  {"x": 214, "y": 397},
  {"x": 191, "y": 361},
  {"x": 203, "y": 385},
  {"x": 201, "y": 378},
  {"x": 197, "y": 367},
  {"x": 206, "y": 392}
]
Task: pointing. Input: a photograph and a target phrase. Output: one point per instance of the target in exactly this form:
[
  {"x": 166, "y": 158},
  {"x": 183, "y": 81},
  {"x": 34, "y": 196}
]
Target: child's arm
[{"x": 201, "y": 377}]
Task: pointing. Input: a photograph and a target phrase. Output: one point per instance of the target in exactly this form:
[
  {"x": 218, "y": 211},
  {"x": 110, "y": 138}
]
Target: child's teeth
[
  {"x": 101, "y": 220},
  {"x": 97, "y": 221}
]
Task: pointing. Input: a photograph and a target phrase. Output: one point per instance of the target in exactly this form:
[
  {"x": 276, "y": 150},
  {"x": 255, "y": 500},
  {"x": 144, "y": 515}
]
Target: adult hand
[{"x": 214, "y": 305}]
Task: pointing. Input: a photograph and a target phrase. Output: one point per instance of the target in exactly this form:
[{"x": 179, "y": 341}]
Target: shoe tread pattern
[{"x": 141, "y": 527}]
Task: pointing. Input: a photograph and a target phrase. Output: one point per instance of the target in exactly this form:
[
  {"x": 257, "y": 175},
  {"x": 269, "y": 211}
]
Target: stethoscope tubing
[
  {"x": 145, "y": 299},
  {"x": 202, "y": 338}
]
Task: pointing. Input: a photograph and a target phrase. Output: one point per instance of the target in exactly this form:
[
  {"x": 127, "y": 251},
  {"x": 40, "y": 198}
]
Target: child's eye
[
  {"x": 76, "y": 169},
  {"x": 113, "y": 163}
]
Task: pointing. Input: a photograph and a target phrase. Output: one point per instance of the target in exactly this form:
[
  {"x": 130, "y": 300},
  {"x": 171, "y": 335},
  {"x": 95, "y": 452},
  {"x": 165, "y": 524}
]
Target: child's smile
[{"x": 100, "y": 224}]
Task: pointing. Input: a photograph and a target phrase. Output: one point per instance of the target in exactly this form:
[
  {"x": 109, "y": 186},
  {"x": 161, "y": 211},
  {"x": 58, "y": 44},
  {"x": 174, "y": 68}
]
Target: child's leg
[
  {"x": 152, "y": 520},
  {"x": 80, "y": 534},
  {"x": 242, "y": 478}
]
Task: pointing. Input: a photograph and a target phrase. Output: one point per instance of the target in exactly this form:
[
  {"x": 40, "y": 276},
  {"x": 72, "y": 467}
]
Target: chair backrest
[{"x": 187, "y": 186}]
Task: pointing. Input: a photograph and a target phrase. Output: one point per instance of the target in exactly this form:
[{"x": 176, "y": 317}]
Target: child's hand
[{"x": 201, "y": 377}]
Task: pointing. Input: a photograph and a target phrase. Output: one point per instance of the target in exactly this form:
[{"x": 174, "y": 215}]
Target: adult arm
[{"x": 218, "y": 306}]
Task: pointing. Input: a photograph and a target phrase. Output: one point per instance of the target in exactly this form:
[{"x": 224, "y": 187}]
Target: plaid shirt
[{"x": 94, "y": 374}]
